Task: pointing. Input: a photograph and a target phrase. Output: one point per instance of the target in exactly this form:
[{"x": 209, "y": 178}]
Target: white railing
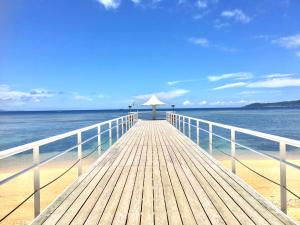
[
  {"x": 121, "y": 125},
  {"x": 181, "y": 122}
]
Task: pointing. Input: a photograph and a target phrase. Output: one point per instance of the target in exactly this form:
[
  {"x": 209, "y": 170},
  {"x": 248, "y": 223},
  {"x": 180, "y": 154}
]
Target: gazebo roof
[{"x": 154, "y": 101}]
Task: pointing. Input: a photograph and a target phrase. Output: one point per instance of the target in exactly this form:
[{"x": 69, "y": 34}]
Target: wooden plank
[
  {"x": 159, "y": 197},
  {"x": 195, "y": 202},
  {"x": 92, "y": 211},
  {"x": 147, "y": 204},
  {"x": 113, "y": 202},
  {"x": 121, "y": 214},
  {"x": 220, "y": 198},
  {"x": 233, "y": 186},
  {"x": 134, "y": 212},
  {"x": 174, "y": 216},
  {"x": 90, "y": 181},
  {"x": 81, "y": 208},
  {"x": 183, "y": 204}
]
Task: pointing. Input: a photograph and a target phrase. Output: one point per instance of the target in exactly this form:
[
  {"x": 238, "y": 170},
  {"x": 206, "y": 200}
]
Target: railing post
[
  {"x": 122, "y": 126},
  {"x": 79, "y": 153},
  {"x": 99, "y": 139},
  {"x": 210, "y": 138},
  {"x": 126, "y": 123},
  {"x": 110, "y": 134},
  {"x": 183, "y": 125},
  {"x": 189, "y": 127},
  {"x": 283, "y": 202},
  {"x": 179, "y": 123},
  {"x": 117, "y": 125},
  {"x": 233, "y": 151},
  {"x": 198, "y": 133},
  {"x": 36, "y": 181}
]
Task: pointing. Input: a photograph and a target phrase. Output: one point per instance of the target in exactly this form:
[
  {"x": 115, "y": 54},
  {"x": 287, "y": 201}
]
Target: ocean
[{"x": 19, "y": 128}]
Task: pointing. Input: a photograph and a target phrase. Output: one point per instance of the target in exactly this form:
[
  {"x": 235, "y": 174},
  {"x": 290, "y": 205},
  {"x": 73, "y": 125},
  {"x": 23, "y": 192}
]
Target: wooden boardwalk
[{"x": 156, "y": 175}]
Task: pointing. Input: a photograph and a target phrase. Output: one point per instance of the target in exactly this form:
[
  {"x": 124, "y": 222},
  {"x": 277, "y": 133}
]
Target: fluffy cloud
[
  {"x": 276, "y": 83},
  {"x": 203, "y": 42},
  {"x": 231, "y": 85},
  {"x": 201, "y": 4},
  {"x": 290, "y": 42},
  {"x": 167, "y": 95},
  {"x": 110, "y": 4},
  {"x": 235, "y": 76},
  {"x": 236, "y": 14},
  {"x": 187, "y": 103},
  {"x": 9, "y": 95}
]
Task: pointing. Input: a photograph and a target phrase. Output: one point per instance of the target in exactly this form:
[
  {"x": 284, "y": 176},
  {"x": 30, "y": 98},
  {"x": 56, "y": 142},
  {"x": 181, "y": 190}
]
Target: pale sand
[{"x": 15, "y": 191}]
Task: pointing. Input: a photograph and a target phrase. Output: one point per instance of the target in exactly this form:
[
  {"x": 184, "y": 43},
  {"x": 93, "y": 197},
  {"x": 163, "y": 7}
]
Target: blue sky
[{"x": 97, "y": 54}]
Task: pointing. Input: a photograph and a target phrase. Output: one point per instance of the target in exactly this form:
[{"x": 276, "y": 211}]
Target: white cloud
[
  {"x": 202, "y": 4},
  {"x": 202, "y": 102},
  {"x": 172, "y": 83},
  {"x": 228, "y": 103},
  {"x": 235, "y": 76},
  {"x": 249, "y": 92},
  {"x": 187, "y": 102},
  {"x": 203, "y": 42},
  {"x": 82, "y": 97},
  {"x": 279, "y": 75},
  {"x": 290, "y": 42},
  {"x": 167, "y": 95},
  {"x": 276, "y": 83},
  {"x": 237, "y": 15},
  {"x": 136, "y": 1},
  {"x": 110, "y": 4},
  {"x": 231, "y": 85},
  {"x": 9, "y": 95}
]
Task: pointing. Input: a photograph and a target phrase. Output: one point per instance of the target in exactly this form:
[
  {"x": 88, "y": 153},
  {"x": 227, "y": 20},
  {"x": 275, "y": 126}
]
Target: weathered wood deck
[{"x": 156, "y": 175}]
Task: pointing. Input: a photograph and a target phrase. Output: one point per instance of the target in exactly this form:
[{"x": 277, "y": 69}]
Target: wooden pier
[{"x": 156, "y": 175}]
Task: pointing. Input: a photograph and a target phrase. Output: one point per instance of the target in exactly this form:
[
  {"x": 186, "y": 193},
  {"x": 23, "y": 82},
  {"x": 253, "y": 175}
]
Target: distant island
[{"x": 285, "y": 104}]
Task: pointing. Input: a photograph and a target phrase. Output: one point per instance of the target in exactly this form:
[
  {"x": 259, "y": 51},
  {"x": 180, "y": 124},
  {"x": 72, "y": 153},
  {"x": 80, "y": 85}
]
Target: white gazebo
[{"x": 154, "y": 101}]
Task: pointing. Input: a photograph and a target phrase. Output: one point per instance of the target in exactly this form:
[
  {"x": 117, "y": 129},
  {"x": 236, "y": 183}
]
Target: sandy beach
[{"x": 14, "y": 192}]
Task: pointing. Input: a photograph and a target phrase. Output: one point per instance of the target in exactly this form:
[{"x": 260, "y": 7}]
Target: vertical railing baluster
[
  {"x": 210, "y": 138},
  {"x": 126, "y": 123},
  {"x": 179, "y": 121},
  {"x": 99, "y": 139},
  {"x": 110, "y": 134},
  {"x": 117, "y": 124},
  {"x": 122, "y": 126},
  {"x": 183, "y": 125},
  {"x": 36, "y": 181},
  {"x": 198, "y": 132},
  {"x": 189, "y": 127},
  {"x": 233, "y": 151},
  {"x": 79, "y": 153},
  {"x": 283, "y": 202},
  {"x": 173, "y": 120}
]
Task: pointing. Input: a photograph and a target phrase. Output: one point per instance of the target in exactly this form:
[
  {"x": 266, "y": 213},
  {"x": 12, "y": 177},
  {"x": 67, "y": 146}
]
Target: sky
[{"x": 107, "y": 54}]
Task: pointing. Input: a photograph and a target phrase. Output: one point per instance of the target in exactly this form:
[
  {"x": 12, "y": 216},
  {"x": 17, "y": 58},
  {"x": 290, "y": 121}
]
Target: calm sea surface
[{"x": 18, "y": 128}]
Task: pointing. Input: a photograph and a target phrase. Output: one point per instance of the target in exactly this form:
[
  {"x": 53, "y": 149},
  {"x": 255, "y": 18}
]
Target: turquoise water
[{"x": 23, "y": 127}]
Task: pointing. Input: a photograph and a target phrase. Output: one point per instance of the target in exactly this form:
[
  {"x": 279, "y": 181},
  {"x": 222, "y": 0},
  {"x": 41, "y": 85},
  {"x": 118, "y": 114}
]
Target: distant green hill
[{"x": 285, "y": 104}]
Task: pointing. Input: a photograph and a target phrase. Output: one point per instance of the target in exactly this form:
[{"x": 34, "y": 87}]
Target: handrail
[
  {"x": 22, "y": 148},
  {"x": 178, "y": 120},
  {"x": 126, "y": 123}
]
